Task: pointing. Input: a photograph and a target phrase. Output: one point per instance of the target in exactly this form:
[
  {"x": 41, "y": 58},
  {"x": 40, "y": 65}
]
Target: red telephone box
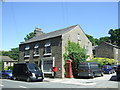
[{"x": 69, "y": 73}]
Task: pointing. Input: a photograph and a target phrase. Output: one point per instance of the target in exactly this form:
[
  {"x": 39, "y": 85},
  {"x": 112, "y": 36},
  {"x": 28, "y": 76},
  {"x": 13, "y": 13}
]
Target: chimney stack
[{"x": 38, "y": 31}]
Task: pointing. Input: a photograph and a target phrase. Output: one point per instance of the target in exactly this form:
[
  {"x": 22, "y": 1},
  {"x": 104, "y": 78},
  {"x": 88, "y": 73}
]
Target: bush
[
  {"x": 10, "y": 68},
  {"x": 103, "y": 61},
  {"x": 75, "y": 53}
]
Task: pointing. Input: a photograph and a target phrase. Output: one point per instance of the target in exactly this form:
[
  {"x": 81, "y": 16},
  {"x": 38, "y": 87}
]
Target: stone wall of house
[
  {"x": 104, "y": 51},
  {"x": 56, "y": 47},
  {"x": 75, "y": 35}
]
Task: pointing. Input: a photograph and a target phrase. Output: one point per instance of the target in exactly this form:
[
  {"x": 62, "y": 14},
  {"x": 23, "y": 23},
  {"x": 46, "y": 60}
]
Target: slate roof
[
  {"x": 111, "y": 44},
  {"x": 6, "y": 58},
  {"x": 50, "y": 34}
]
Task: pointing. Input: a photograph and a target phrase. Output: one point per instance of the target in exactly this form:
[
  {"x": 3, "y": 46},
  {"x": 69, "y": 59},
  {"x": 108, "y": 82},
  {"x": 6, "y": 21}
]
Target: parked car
[
  {"x": 90, "y": 69},
  {"x": 7, "y": 74},
  {"x": 108, "y": 69},
  {"x": 118, "y": 72},
  {"x": 27, "y": 71},
  {"x": 114, "y": 67}
]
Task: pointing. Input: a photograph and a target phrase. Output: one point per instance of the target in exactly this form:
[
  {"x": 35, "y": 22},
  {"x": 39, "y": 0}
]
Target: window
[
  {"x": 36, "y": 50},
  {"x": 78, "y": 37},
  {"x": 48, "y": 48},
  {"x": 27, "y": 51},
  {"x": 46, "y": 64},
  {"x": 87, "y": 50}
]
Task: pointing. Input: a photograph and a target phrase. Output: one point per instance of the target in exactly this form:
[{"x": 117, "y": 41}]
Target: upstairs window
[
  {"x": 48, "y": 48},
  {"x": 36, "y": 50},
  {"x": 78, "y": 37},
  {"x": 27, "y": 51}
]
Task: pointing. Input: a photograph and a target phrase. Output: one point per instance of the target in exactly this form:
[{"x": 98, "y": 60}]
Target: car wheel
[
  {"x": 118, "y": 79},
  {"x": 14, "y": 78},
  {"x": 28, "y": 79},
  {"x": 102, "y": 74},
  {"x": 109, "y": 72},
  {"x": 93, "y": 76}
]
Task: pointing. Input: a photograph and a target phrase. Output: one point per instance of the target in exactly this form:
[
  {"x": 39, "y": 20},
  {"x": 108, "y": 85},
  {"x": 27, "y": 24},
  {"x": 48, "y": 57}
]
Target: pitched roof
[
  {"x": 50, "y": 34},
  {"x": 6, "y": 58},
  {"x": 111, "y": 44}
]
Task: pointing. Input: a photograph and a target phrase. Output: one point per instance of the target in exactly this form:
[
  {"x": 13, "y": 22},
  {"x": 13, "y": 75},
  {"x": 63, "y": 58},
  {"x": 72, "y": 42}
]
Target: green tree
[
  {"x": 92, "y": 39},
  {"x": 13, "y": 53},
  {"x": 29, "y": 36},
  {"x": 1, "y": 65},
  {"x": 4, "y": 53},
  {"x": 103, "y": 39},
  {"x": 76, "y": 53},
  {"x": 115, "y": 36}
]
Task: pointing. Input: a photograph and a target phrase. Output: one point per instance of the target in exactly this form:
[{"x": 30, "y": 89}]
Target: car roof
[
  {"x": 89, "y": 63},
  {"x": 24, "y": 63}
]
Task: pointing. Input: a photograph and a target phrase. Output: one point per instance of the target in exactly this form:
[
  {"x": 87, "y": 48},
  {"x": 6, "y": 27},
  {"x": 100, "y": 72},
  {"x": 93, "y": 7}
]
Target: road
[{"x": 108, "y": 81}]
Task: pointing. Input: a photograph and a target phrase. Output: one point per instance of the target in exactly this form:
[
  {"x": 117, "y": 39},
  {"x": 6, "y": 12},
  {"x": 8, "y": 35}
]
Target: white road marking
[{"x": 22, "y": 87}]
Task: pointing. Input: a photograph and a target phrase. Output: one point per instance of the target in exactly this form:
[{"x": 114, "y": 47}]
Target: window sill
[
  {"x": 36, "y": 55},
  {"x": 27, "y": 56},
  {"x": 47, "y": 54},
  {"x": 47, "y": 72}
]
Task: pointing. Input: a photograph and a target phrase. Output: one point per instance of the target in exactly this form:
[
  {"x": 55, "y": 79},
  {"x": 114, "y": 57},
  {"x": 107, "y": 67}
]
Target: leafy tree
[
  {"x": 13, "y": 53},
  {"x": 91, "y": 39},
  {"x": 1, "y": 65},
  {"x": 103, "y": 39},
  {"x": 4, "y": 53},
  {"x": 115, "y": 36},
  {"x": 77, "y": 54},
  {"x": 29, "y": 36}
]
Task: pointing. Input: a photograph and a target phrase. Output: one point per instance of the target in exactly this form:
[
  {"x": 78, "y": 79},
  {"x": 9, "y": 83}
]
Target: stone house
[
  {"x": 47, "y": 50},
  {"x": 7, "y": 61},
  {"x": 107, "y": 50}
]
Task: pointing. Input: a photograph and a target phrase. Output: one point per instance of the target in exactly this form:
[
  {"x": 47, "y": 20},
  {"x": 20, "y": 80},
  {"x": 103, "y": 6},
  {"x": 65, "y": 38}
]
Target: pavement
[
  {"x": 84, "y": 81},
  {"x": 70, "y": 81}
]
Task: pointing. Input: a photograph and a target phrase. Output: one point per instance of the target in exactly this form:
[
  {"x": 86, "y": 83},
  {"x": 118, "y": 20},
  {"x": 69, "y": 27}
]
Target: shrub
[
  {"x": 10, "y": 68},
  {"x": 75, "y": 53},
  {"x": 103, "y": 61}
]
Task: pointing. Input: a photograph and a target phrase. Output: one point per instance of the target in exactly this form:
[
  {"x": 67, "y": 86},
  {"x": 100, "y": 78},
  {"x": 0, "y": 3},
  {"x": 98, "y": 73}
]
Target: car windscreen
[
  {"x": 107, "y": 67},
  {"x": 83, "y": 66},
  {"x": 33, "y": 67},
  {"x": 7, "y": 71}
]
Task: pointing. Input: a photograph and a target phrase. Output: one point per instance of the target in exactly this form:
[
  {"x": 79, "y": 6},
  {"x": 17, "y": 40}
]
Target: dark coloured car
[
  {"x": 114, "y": 67},
  {"x": 27, "y": 72},
  {"x": 7, "y": 74},
  {"x": 118, "y": 72},
  {"x": 91, "y": 69},
  {"x": 108, "y": 69}
]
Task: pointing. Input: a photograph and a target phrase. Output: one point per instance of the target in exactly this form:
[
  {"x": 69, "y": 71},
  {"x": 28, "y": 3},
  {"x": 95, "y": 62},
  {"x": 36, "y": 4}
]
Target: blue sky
[{"x": 21, "y": 18}]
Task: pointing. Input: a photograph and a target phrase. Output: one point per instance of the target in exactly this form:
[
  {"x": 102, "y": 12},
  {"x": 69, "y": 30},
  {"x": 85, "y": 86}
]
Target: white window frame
[
  {"x": 46, "y": 59},
  {"x": 27, "y": 49},
  {"x": 48, "y": 44},
  {"x": 36, "y": 47},
  {"x": 78, "y": 37}
]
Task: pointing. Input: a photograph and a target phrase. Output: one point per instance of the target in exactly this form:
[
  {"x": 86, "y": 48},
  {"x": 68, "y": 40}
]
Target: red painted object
[
  {"x": 69, "y": 73},
  {"x": 55, "y": 69}
]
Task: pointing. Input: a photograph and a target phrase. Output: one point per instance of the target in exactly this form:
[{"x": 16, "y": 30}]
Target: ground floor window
[{"x": 47, "y": 64}]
